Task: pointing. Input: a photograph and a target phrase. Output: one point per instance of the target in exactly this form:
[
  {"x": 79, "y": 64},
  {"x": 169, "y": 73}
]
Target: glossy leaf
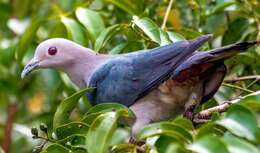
[
  {"x": 174, "y": 36},
  {"x": 241, "y": 122},
  {"x": 208, "y": 129},
  {"x": 89, "y": 118},
  {"x": 74, "y": 30},
  {"x": 100, "y": 132},
  {"x": 133, "y": 7},
  {"x": 148, "y": 27},
  {"x": 74, "y": 139},
  {"x": 123, "y": 148},
  {"x": 106, "y": 35},
  {"x": 220, "y": 7},
  {"x": 208, "y": 144},
  {"x": 164, "y": 38},
  {"x": 27, "y": 38},
  {"x": 167, "y": 129},
  {"x": 66, "y": 106},
  {"x": 56, "y": 148},
  {"x": 184, "y": 122},
  {"x": 163, "y": 142},
  {"x": 235, "y": 31},
  {"x": 108, "y": 107},
  {"x": 121, "y": 135},
  {"x": 91, "y": 20},
  {"x": 252, "y": 101},
  {"x": 175, "y": 148},
  {"x": 71, "y": 128},
  {"x": 236, "y": 145}
]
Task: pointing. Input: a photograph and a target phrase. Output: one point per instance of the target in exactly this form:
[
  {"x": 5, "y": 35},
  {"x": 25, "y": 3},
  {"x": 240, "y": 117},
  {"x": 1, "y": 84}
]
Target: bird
[{"x": 156, "y": 84}]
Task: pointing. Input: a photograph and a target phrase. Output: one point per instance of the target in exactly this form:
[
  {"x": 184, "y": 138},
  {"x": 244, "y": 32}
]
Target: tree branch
[
  {"x": 237, "y": 87},
  {"x": 252, "y": 77},
  {"x": 205, "y": 115},
  {"x": 12, "y": 109}
]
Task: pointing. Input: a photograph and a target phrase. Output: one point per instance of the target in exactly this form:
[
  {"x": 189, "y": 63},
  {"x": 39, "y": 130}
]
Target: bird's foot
[
  {"x": 189, "y": 114},
  {"x": 196, "y": 118},
  {"x": 140, "y": 146},
  {"x": 141, "y": 149},
  {"x": 136, "y": 142}
]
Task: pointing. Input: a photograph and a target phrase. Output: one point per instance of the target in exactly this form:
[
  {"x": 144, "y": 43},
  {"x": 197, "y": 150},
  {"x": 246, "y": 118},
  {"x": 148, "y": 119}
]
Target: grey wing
[{"x": 130, "y": 77}]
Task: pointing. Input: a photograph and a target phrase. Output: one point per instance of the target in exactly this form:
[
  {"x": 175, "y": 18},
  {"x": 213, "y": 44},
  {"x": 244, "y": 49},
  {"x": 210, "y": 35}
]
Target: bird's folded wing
[{"x": 129, "y": 77}]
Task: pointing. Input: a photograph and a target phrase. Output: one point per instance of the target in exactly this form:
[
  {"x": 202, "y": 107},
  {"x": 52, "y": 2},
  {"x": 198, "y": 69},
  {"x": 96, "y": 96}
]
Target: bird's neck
[{"x": 81, "y": 70}]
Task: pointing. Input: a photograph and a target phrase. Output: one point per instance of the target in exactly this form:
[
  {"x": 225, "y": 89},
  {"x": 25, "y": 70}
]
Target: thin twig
[
  {"x": 168, "y": 10},
  {"x": 205, "y": 115},
  {"x": 251, "y": 77},
  {"x": 237, "y": 87}
]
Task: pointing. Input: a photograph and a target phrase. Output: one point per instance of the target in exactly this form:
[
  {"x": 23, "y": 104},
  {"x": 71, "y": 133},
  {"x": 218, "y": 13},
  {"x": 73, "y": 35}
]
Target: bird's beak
[{"x": 32, "y": 65}]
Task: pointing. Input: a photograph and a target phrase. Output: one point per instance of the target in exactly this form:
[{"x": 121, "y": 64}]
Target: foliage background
[{"x": 119, "y": 26}]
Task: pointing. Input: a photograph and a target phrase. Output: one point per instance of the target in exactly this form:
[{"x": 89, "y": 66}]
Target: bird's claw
[
  {"x": 135, "y": 142},
  {"x": 189, "y": 114}
]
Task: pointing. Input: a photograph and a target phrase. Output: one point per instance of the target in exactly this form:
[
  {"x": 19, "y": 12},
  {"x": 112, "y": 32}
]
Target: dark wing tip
[{"x": 198, "y": 42}]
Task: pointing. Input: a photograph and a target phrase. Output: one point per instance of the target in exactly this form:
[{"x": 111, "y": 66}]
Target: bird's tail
[
  {"x": 230, "y": 50},
  {"x": 217, "y": 55}
]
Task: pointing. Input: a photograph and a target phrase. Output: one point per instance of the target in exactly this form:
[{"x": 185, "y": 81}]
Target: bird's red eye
[{"x": 52, "y": 51}]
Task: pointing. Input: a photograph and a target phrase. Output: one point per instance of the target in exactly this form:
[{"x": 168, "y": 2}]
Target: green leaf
[
  {"x": 106, "y": 35},
  {"x": 189, "y": 33},
  {"x": 148, "y": 27},
  {"x": 242, "y": 122},
  {"x": 207, "y": 129},
  {"x": 63, "y": 111},
  {"x": 66, "y": 130},
  {"x": 252, "y": 101},
  {"x": 117, "y": 49},
  {"x": 56, "y": 148},
  {"x": 89, "y": 118},
  {"x": 133, "y": 7},
  {"x": 120, "y": 136},
  {"x": 167, "y": 129},
  {"x": 184, "y": 122},
  {"x": 175, "y": 148},
  {"x": 236, "y": 145},
  {"x": 101, "y": 131},
  {"x": 123, "y": 148},
  {"x": 126, "y": 47},
  {"x": 75, "y": 31},
  {"x": 235, "y": 31},
  {"x": 175, "y": 37},
  {"x": 164, "y": 38},
  {"x": 163, "y": 142},
  {"x": 74, "y": 139},
  {"x": 91, "y": 20},
  {"x": 27, "y": 38},
  {"x": 99, "y": 109},
  {"x": 208, "y": 144},
  {"x": 108, "y": 107},
  {"x": 220, "y": 7}
]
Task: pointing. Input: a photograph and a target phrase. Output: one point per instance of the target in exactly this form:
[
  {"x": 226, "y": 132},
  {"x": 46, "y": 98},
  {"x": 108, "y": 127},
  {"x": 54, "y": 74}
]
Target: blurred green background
[{"x": 109, "y": 26}]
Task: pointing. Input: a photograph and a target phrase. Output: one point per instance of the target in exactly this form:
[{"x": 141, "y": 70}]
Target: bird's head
[{"x": 54, "y": 53}]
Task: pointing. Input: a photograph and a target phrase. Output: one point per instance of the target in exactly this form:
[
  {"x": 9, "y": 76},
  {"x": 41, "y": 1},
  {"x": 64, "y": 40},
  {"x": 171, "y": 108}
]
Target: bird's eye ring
[{"x": 52, "y": 51}]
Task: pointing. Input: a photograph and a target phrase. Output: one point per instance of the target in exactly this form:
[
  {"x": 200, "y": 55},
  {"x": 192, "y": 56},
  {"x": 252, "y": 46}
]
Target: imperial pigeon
[{"x": 157, "y": 84}]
